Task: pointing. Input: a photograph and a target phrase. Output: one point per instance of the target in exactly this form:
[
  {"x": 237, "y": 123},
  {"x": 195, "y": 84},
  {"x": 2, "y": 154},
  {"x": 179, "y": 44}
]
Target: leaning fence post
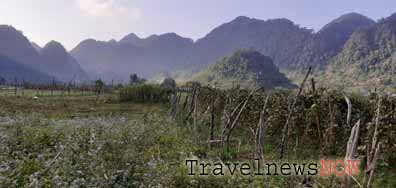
[
  {"x": 173, "y": 106},
  {"x": 351, "y": 149},
  {"x": 195, "y": 118},
  {"x": 349, "y": 110},
  {"x": 286, "y": 126},
  {"x": 262, "y": 129},
  {"x": 373, "y": 151}
]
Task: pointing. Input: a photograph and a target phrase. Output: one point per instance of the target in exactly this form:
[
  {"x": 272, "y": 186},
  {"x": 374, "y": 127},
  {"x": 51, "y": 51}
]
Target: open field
[
  {"x": 78, "y": 141},
  {"x": 60, "y": 106},
  {"x": 61, "y": 129}
]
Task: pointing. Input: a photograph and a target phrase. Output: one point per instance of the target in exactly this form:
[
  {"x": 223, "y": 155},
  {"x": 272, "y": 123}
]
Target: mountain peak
[
  {"x": 171, "y": 36},
  {"x": 9, "y": 29},
  {"x": 54, "y": 49},
  {"x": 335, "y": 34},
  {"x": 351, "y": 19},
  {"x": 17, "y": 46},
  {"x": 245, "y": 19},
  {"x": 54, "y": 46},
  {"x": 112, "y": 41},
  {"x": 352, "y": 15},
  {"x": 242, "y": 18},
  {"x": 9, "y": 32},
  {"x": 167, "y": 38},
  {"x": 130, "y": 38}
]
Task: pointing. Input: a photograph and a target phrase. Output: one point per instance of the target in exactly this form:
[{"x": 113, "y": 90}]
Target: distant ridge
[
  {"x": 291, "y": 47},
  {"x": 352, "y": 49},
  {"x": 52, "y": 60},
  {"x": 131, "y": 54}
]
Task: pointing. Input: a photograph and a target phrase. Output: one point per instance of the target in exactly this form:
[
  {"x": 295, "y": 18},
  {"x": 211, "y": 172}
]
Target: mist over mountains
[
  {"x": 45, "y": 64},
  {"x": 350, "y": 44}
]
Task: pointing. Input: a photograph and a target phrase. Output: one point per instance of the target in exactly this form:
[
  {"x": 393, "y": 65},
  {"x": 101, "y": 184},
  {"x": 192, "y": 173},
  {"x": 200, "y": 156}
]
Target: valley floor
[{"x": 78, "y": 141}]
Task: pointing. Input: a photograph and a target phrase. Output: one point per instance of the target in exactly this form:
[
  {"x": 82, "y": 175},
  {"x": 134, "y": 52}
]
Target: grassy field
[
  {"x": 59, "y": 107},
  {"x": 78, "y": 141}
]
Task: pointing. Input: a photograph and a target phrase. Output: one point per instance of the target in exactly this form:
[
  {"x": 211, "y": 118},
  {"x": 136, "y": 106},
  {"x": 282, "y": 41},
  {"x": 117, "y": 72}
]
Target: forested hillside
[
  {"x": 368, "y": 58},
  {"x": 246, "y": 68}
]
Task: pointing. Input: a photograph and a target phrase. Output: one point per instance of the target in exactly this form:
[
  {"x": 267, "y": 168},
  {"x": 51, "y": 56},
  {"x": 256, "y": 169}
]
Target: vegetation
[
  {"x": 169, "y": 84},
  {"x": 246, "y": 67},
  {"x": 368, "y": 57},
  {"x": 144, "y": 93},
  {"x": 134, "y": 79},
  {"x": 76, "y": 141},
  {"x": 70, "y": 134},
  {"x": 319, "y": 127}
]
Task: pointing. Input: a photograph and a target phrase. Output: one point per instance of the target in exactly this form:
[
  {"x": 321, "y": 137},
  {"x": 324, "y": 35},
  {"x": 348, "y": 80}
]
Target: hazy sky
[{"x": 70, "y": 21}]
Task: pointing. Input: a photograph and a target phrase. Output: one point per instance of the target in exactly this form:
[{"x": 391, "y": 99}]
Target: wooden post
[
  {"x": 286, "y": 126},
  {"x": 262, "y": 127},
  {"x": 99, "y": 92},
  {"x": 349, "y": 110},
  {"x": 236, "y": 119},
  {"x": 212, "y": 117},
  {"x": 52, "y": 87},
  {"x": 313, "y": 85},
  {"x": 195, "y": 118},
  {"x": 69, "y": 89},
  {"x": 351, "y": 149},
  {"x": 23, "y": 87},
  {"x": 173, "y": 106},
  {"x": 373, "y": 151},
  {"x": 192, "y": 104},
  {"x": 15, "y": 86}
]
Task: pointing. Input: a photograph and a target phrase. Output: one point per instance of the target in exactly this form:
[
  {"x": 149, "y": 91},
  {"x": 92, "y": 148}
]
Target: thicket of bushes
[{"x": 145, "y": 93}]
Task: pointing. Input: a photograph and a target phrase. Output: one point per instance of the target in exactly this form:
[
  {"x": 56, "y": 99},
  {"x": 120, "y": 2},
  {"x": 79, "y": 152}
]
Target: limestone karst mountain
[
  {"x": 117, "y": 60},
  {"x": 52, "y": 60},
  {"x": 61, "y": 64},
  {"x": 246, "y": 68},
  {"x": 292, "y": 48},
  {"x": 351, "y": 46},
  {"x": 368, "y": 58}
]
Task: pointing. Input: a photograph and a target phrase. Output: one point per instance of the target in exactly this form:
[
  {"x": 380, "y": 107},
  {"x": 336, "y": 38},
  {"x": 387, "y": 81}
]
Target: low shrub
[{"x": 143, "y": 93}]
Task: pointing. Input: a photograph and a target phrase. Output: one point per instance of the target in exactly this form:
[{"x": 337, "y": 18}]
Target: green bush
[{"x": 145, "y": 93}]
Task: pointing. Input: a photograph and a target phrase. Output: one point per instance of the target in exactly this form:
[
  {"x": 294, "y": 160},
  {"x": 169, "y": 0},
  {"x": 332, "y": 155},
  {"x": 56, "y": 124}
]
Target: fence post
[
  {"x": 15, "y": 86},
  {"x": 351, "y": 149}
]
